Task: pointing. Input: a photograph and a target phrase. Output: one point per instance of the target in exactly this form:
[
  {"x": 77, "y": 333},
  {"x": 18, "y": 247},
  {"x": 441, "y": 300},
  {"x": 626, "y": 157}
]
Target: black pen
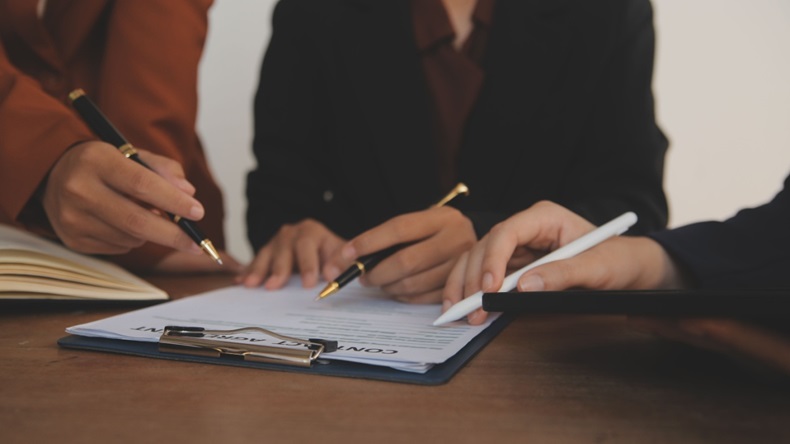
[
  {"x": 366, "y": 263},
  {"x": 100, "y": 125}
]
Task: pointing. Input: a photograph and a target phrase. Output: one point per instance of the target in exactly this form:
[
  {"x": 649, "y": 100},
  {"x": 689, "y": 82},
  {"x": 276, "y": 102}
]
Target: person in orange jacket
[{"x": 138, "y": 61}]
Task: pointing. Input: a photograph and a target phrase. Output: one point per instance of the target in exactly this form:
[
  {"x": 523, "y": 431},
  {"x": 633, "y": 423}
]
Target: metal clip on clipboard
[{"x": 193, "y": 341}]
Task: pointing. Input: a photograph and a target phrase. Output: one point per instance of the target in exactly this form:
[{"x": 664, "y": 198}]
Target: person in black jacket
[{"x": 370, "y": 110}]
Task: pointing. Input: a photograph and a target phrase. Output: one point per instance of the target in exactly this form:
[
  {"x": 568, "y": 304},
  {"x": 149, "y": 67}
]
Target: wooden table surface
[{"x": 544, "y": 379}]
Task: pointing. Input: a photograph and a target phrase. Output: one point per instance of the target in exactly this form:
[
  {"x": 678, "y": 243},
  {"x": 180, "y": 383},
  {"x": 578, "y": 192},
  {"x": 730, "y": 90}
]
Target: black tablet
[{"x": 740, "y": 303}]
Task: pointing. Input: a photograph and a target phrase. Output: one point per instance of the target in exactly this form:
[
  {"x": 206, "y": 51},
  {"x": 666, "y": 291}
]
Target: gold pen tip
[
  {"x": 208, "y": 247},
  {"x": 331, "y": 288},
  {"x": 76, "y": 94}
]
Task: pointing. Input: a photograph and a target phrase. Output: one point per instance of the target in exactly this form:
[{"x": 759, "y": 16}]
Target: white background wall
[{"x": 722, "y": 86}]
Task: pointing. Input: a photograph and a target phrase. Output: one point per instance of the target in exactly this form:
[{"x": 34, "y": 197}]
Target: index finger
[
  {"x": 129, "y": 217},
  {"x": 398, "y": 230},
  {"x": 544, "y": 226},
  {"x": 453, "y": 290},
  {"x": 492, "y": 254},
  {"x": 169, "y": 169},
  {"x": 143, "y": 184}
]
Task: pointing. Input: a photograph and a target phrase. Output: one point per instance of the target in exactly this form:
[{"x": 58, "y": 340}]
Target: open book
[{"x": 33, "y": 268}]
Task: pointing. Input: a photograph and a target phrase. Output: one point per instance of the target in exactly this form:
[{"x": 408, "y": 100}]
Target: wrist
[{"x": 660, "y": 270}]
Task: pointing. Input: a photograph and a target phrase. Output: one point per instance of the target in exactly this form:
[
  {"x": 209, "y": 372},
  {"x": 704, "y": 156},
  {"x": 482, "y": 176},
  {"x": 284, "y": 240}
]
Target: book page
[
  {"x": 369, "y": 327},
  {"x": 62, "y": 272},
  {"x": 28, "y": 271}
]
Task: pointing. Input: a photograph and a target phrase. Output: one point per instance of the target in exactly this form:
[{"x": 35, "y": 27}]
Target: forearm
[
  {"x": 746, "y": 251},
  {"x": 657, "y": 268}
]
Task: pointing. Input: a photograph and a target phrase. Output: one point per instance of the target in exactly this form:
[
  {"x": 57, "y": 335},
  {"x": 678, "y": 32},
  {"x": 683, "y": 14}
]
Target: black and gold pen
[
  {"x": 105, "y": 130},
  {"x": 366, "y": 263}
]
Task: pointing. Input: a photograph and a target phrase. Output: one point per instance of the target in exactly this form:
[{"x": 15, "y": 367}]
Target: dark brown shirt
[{"x": 454, "y": 77}]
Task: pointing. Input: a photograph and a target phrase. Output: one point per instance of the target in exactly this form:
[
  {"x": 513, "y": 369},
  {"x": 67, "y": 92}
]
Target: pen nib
[
  {"x": 208, "y": 247},
  {"x": 331, "y": 288}
]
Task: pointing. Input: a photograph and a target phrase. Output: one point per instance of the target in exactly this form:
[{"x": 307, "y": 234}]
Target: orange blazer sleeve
[
  {"x": 148, "y": 81},
  {"x": 35, "y": 129},
  {"x": 148, "y": 88},
  {"x": 139, "y": 62}
]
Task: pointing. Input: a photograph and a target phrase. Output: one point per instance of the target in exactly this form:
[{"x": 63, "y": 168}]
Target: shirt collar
[{"x": 432, "y": 25}]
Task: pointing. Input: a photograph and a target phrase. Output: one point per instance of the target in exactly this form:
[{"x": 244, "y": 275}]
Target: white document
[{"x": 369, "y": 327}]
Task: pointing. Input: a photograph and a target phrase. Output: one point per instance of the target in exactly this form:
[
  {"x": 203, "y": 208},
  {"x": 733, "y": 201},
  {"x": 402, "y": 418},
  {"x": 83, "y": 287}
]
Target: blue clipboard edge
[{"x": 439, "y": 374}]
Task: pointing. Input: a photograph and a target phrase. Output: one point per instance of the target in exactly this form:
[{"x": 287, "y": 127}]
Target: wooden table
[{"x": 544, "y": 379}]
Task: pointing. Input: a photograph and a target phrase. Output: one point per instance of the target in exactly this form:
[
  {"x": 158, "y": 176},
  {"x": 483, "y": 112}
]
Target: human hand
[
  {"x": 179, "y": 262},
  {"x": 617, "y": 263},
  {"x": 99, "y": 202},
  {"x": 305, "y": 246},
  {"x": 417, "y": 272}
]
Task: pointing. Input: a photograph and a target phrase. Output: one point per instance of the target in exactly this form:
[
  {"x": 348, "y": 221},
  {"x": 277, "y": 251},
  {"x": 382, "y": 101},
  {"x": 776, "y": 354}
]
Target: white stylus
[{"x": 612, "y": 228}]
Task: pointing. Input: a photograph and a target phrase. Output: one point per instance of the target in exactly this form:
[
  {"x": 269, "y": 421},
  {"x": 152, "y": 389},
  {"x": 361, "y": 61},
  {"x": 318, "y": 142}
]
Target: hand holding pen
[
  {"x": 93, "y": 204},
  {"x": 545, "y": 235},
  {"x": 311, "y": 249},
  {"x": 412, "y": 253},
  {"x": 94, "y": 191}
]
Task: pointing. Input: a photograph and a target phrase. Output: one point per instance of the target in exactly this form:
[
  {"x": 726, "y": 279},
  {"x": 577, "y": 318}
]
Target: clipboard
[
  {"x": 439, "y": 374},
  {"x": 732, "y": 303}
]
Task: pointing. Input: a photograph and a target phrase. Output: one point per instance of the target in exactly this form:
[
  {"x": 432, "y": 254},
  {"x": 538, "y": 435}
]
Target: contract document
[{"x": 368, "y": 326}]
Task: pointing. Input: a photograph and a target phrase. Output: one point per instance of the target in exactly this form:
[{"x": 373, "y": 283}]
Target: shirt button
[{"x": 328, "y": 196}]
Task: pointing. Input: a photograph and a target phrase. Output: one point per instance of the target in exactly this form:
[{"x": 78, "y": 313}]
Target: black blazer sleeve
[
  {"x": 749, "y": 250},
  {"x": 623, "y": 168},
  {"x": 285, "y": 186}
]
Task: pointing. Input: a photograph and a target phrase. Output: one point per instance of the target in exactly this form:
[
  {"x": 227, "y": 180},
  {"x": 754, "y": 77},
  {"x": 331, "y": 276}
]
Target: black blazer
[
  {"x": 749, "y": 250},
  {"x": 343, "y": 126}
]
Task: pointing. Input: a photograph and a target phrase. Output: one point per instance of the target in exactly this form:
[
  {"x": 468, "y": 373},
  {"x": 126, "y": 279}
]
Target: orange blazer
[{"x": 137, "y": 60}]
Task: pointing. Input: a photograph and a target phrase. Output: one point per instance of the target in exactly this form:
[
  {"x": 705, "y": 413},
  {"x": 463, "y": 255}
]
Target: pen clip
[{"x": 199, "y": 341}]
